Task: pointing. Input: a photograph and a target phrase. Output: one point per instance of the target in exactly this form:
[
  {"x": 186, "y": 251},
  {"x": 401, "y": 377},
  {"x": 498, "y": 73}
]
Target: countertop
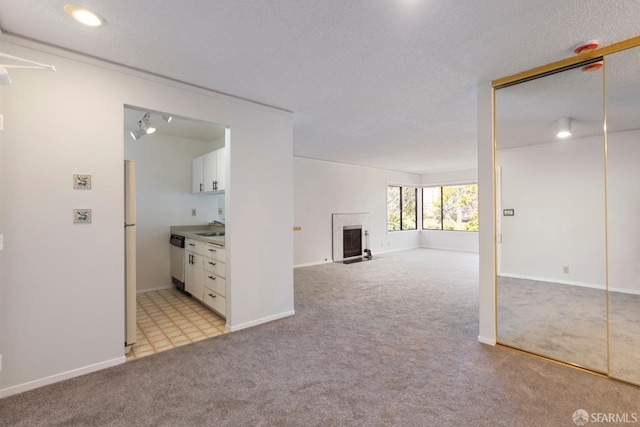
[{"x": 189, "y": 231}]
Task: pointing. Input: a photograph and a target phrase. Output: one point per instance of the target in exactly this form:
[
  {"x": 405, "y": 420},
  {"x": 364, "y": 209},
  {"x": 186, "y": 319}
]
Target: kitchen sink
[{"x": 210, "y": 233}]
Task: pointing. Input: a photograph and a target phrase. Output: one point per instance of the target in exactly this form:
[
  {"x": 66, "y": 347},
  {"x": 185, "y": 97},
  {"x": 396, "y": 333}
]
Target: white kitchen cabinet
[
  {"x": 197, "y": 175},
  {"x": 208, "y": 172},
  {"x": 215, "y": 283},
  {"x": 221, "y": 162},
  {"x": 194, "y": 268}
]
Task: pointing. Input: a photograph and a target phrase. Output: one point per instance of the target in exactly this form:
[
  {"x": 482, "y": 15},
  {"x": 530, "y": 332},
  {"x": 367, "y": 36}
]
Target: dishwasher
[{"x": 177, "y": 261}]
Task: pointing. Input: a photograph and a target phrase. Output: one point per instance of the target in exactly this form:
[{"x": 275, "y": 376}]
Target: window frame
[
  {"x": 442, "y": 218},
  {"x": 416, "y": 209}
]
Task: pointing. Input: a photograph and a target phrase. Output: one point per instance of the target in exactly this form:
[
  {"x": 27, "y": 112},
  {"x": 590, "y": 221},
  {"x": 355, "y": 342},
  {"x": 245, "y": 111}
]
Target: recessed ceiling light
[
  {"x": 85, "y": 16},
  {"x": 563, "y": 126}
]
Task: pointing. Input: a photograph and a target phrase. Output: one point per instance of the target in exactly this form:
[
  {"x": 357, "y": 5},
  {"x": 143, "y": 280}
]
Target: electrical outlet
[
  {"x": 193, "y": 212},
  {"x": 219, "y": 211},
  {"x": 565, "y": 269}
]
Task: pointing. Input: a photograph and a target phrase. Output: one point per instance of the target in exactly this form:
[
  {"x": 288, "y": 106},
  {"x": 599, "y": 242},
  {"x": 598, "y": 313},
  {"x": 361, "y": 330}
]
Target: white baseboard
[
  {"x": 374, "y": 253},
  {"x": 570, "y": 283},
  {"x": 552, "y": 280},
  {"x": 450, "y": 249},
  {"x": 159, "y": 288},
  {"x": 311, "y": 264},
  {"x": 488, "y": 341},
  {"x": 20, "y": 388},
  {"x": 625, "y": 291},
  {"x": 257, "y": 322}
]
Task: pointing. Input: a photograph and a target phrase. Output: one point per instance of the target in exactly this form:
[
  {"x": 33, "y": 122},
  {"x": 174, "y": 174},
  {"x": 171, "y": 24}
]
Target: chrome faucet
[{"x": 214, "y": 222}]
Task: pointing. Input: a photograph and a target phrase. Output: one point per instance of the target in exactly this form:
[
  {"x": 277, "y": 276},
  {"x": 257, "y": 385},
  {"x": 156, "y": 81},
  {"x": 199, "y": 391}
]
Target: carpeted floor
[
  {"x": 563, "y": 322},
  {"x": 569, "y": 323},
  {"x": 392, "y": 341}
]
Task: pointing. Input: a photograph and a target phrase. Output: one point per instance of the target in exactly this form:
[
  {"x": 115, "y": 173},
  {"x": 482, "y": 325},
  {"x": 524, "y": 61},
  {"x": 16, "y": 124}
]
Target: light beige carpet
[
  {"x": 569, "y": 323},
  {"x": 387, "y": 342}
]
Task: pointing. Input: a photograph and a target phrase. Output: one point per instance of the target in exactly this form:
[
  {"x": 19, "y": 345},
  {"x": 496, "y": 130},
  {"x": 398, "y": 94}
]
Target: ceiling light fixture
[
  {"x": 167, "y": 118},
  {"x": 137, "y": 134},
  {"x": 563, "y": 126},
  {"x": 85, "y": 16},
  {"x": 144, "y": 127}
]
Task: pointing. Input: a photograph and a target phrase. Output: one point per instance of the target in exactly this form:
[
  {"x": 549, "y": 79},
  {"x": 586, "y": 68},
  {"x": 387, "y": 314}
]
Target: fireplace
[
  {"x": 349, "y": 236},
  {"x": 352, "y": 241}
]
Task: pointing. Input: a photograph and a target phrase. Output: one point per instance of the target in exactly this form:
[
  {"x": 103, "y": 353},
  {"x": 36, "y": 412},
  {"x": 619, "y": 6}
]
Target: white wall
[
  {"x": 623, "y": 197},
  {"x": 577, "y": 242},
  {"x": 465, "y": 241},
  {"x": 323, "y": 188},
  {"x": 164, "y": 199},
  {"x": 62, "y": 307},
  {"x": 557, "y": 191}
]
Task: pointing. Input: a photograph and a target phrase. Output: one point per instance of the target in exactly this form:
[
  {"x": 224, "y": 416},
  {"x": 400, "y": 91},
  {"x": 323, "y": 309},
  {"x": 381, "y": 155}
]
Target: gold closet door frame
[
  {"x": 539, "y": 72},
  {"x": 565, "y": 63}
]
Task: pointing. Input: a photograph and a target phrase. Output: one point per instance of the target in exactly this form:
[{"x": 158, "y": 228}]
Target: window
[
  {"x": 401, "y": 208},
  {"x": 452, "y": 207}
]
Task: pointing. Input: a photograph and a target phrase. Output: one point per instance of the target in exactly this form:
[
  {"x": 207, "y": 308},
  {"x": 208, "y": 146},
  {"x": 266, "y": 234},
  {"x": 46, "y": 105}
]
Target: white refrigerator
[{"x": 130, "y": 253}]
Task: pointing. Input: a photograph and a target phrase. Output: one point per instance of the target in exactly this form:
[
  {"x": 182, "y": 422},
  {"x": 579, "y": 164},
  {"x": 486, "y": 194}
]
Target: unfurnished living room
[{"x": 391, "y": 212}]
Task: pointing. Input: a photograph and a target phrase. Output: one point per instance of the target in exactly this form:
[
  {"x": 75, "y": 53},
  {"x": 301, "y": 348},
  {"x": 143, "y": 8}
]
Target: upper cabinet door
[
  {"x": 197, "y": 168},
  {"x": 210, "y": 171},
  {"x": 221, "y": 160}
]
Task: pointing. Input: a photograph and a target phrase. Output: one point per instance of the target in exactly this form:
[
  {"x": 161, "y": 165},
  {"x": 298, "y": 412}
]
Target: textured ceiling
[{"x": 384, "y": 83}]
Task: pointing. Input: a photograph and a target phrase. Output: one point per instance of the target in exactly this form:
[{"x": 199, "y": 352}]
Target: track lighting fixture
[
  {"x": 137, "y": 134},
  {"x": 167, "y": 118},
  {"x": 144, "y": 127}
]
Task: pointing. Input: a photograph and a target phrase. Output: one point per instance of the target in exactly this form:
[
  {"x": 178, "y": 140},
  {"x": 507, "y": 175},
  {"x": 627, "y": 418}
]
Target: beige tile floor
[{"x": 168, "y": 318}]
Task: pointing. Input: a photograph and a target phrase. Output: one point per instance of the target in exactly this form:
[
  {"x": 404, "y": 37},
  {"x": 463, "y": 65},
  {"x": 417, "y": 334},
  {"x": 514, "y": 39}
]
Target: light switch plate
[
  {"x": 1, "y": 242},
  {"x": 82, "y": 216},
  {"x": 81, "y": 181}
]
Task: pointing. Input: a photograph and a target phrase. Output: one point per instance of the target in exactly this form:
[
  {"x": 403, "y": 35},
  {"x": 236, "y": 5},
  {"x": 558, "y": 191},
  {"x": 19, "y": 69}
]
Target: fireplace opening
[{"x": 352, "y": 241}]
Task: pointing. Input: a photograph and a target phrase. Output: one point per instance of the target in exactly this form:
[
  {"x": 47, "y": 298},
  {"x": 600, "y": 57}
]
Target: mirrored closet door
[
  {"x": 568, "y": 213},
  {"x": 551, "y": 284},
  {"x": 623, "y": 202}
]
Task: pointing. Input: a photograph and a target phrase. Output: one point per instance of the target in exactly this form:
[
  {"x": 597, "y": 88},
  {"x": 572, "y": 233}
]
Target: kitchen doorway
[{"x": 165, "y": 317}]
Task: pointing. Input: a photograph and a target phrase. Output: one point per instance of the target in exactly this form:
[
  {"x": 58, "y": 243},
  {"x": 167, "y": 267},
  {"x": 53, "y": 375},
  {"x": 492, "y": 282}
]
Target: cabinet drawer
[
  {"x": 215, "y": 252},
  {"x": 215, "y": 283},
  {"x": 216, "y": 302},
  {"x": 216, "y": 267},
  {"x": 194, "y": 246}
]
